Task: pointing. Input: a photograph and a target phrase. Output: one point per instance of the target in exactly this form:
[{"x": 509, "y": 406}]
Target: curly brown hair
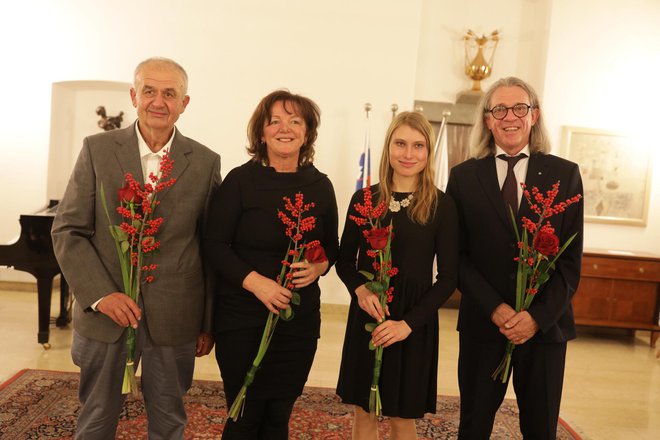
[{"x": 305, "y": 107}]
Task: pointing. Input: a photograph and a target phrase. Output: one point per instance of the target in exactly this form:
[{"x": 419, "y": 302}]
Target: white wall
[
  {"x": 522, "y": 26},
  {"x": 593, "y": 62},
  {"x": 602, "y": 62},
  {"x": 341, "y": 54}
]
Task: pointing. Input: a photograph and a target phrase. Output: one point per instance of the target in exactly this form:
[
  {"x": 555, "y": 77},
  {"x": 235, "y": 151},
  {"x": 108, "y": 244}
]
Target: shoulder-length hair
[
  {"x": 305, "y": 107},
  {"x": 423, "y": 204},
  {"x": 482, "y": 143}
]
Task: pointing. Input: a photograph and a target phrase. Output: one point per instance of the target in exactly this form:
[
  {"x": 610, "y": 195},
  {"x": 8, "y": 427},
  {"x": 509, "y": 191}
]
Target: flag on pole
[
  {"x": 364, "y": 173},
  {"x": 441, "y": 156}
]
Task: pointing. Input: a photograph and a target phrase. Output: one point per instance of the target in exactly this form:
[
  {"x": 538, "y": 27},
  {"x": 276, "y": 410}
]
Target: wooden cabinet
[{"x": 619, "y": 289}]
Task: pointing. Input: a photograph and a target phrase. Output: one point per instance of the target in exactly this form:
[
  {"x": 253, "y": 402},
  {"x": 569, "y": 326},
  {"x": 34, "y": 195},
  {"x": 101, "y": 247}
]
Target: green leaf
[
  {"x": 118, "y": 233},
  {"x": 286, "y": 314},
  {"x": 543, "y": 277},
  {"x": 372, "y": 347},
  {"x": 370, "y": 326},
  {"x": 375, "y": 286},
  {"x": 295, "y": 299},
  {"x": 124, "y": 246},
  {"x": 367, "y": 275}
]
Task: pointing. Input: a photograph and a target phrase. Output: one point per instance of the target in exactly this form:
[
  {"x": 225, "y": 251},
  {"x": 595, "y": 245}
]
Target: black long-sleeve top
[{"x": 245, "y": 234}]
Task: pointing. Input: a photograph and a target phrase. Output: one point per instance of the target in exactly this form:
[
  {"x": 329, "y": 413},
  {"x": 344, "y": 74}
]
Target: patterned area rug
[{"x": 38, "y": 404}]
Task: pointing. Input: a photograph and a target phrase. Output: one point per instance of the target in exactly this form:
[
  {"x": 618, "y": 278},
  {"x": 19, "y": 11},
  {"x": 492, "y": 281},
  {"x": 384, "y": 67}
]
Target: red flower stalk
[
  {"x": 295, "y": 227},
  {"x": 534, "y": 264},
  {"x": 135, "y": 240},
  {"x": 380, "y": 242}
]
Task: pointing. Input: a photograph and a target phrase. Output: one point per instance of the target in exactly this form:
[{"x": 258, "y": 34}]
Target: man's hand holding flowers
[
  {"x": 502, "y": 314},
  {"x": 520, "y": 328},
  {"x": 121, "y": 309}
]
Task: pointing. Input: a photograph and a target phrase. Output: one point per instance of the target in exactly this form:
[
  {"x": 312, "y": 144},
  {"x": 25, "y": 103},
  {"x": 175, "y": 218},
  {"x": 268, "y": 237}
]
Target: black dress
[
  {"x": 245, "y": 234},
  {"x": 408, "y": 383}
]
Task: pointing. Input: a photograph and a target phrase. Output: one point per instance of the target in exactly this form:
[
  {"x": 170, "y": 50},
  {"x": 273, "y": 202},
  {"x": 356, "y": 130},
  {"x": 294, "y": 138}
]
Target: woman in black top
[
  {"x": 425, "y": 227},
  {"x": 245, "y": 247}
]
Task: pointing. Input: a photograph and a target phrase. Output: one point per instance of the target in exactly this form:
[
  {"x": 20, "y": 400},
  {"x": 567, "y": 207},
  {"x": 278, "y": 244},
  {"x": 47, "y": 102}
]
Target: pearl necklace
[{"x": 396, "y": 205}]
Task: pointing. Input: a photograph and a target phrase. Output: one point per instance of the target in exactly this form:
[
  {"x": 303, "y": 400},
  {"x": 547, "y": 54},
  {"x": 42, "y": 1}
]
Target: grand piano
[{"x": 33, "y": 253}]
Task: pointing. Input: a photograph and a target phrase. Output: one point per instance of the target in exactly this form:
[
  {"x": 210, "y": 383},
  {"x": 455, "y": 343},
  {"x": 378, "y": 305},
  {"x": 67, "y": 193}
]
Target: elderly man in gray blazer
[{"x": 173, "y": 314}]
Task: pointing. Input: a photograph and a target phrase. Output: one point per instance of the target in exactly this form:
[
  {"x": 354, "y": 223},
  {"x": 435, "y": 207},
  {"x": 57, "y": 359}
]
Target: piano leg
[
  {"x": 44, "y": 291},
  {"x": 65, "y": 315}
]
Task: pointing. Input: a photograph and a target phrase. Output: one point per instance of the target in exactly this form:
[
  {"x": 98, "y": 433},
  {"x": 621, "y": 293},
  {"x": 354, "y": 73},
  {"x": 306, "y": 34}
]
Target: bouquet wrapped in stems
[
  {"x": 296, "y": 226},
  {"x": 135, "y": 240},
  {"x": 538, "y": 250},
  {"x": 380, "y": 242}
]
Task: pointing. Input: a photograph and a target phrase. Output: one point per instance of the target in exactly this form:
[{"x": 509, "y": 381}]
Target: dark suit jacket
[
  {"x": 488, "y": 246},
  {"x": 177, "y": 304}
]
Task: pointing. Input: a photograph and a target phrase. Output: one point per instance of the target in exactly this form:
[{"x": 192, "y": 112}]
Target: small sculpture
[
  {"x": 108, "y": 123},
  {"x": 477, "y": 67}
]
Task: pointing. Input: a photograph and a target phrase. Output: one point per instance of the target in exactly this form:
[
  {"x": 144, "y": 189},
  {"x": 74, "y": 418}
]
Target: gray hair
[
  {"x": 482, "y": 143},
  {"x": 163, "y": 62}
]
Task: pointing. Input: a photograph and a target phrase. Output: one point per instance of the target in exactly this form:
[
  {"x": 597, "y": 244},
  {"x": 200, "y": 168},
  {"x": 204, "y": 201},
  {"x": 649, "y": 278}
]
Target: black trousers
[
  {"x": 277, "y": 384},
  {"x": 538, "y": 377},
  {"x": 261, "y": 420}
]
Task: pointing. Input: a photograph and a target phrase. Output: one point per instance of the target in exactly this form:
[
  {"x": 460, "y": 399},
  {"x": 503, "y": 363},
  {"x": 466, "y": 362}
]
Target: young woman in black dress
[
  {"x": 245, "y": 247},
  {"x": 425, "y": 227}
]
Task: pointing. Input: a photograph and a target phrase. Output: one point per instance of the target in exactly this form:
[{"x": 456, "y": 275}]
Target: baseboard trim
[{"x": 21, "y": 286}]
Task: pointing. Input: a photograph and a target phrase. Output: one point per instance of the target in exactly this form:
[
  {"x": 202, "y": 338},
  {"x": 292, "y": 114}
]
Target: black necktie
[{"x": 510, "y": 187}]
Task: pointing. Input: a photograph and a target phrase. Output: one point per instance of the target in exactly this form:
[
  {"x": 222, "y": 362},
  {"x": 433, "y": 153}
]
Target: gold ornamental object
[{"x": 477, "y": 68}]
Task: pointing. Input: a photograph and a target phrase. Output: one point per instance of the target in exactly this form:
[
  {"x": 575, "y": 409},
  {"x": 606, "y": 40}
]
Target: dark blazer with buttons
[
  {"x": 177, "y": 305},
  {"x": 488, "y": 246}
]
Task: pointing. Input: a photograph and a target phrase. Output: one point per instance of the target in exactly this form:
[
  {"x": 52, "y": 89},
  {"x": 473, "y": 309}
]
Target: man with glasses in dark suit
[{"x": 510, "y": 145}]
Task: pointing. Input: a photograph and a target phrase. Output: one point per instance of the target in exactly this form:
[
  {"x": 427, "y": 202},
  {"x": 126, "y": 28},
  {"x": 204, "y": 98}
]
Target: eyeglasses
[{"x": 520, "y": 110}]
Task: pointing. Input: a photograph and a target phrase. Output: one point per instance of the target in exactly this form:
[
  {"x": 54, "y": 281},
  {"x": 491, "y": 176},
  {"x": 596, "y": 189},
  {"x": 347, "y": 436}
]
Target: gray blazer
[{"x": 177, "y": 306}]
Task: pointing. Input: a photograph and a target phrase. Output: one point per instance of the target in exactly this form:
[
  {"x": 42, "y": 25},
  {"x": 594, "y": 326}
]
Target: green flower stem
[
  {"x": 238, "y": 405},
  {"x": 502, "y": 371}
]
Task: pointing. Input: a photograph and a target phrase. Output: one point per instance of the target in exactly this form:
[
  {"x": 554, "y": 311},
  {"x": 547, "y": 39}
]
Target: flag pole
[
  {"x": 394, "y": 108},
  {"x": 366, "y": 182},
  {"x": 441, "y": 153}
]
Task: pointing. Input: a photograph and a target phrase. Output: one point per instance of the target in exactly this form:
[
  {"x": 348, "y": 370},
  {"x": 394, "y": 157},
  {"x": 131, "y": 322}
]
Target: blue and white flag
[{"x": 364, "y": 172}]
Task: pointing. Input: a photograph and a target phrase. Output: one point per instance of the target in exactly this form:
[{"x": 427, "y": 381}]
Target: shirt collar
[
  {"x": 144, "y": 148},
  {"x": 499, "y": 151}
]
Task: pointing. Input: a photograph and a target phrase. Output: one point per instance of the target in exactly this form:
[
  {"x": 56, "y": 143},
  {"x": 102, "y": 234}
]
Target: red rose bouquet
[
  {"x": 312, "y": 252},
  {"x": 536, "y": 261},
  {"x": 135, "y": 240},
  {"x": 380, "y": 241}
]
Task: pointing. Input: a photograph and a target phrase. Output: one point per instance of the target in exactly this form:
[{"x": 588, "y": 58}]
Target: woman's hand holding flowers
[
  {"x": 370, "y": 303},
  {"x": 306, "y": 273},
  {"x": 269, "y": 292},
  {"x": 389, "y": 332}
]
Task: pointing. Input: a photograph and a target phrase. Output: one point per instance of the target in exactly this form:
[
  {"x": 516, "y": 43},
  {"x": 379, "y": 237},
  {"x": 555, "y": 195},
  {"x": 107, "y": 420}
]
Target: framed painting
[{"x": 616, "y": 173}]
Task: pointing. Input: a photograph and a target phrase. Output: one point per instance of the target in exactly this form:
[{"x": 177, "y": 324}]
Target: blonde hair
[
  {"x": 422, "y": 206},
  {"x": 482, "y": 143}
]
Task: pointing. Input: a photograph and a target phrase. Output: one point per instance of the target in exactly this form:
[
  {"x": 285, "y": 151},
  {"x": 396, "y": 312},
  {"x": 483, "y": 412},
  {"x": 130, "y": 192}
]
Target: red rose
[
  {"x": 377, "y": 237},
  {"x": 546, "y": 243},
  {"x": 315, "y": 254},
  {"x": 127, "y": 194}
]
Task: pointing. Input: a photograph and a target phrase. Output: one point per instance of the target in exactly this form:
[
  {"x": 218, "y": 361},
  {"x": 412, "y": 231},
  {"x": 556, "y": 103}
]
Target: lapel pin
[{"x": 540, "y": 172}]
